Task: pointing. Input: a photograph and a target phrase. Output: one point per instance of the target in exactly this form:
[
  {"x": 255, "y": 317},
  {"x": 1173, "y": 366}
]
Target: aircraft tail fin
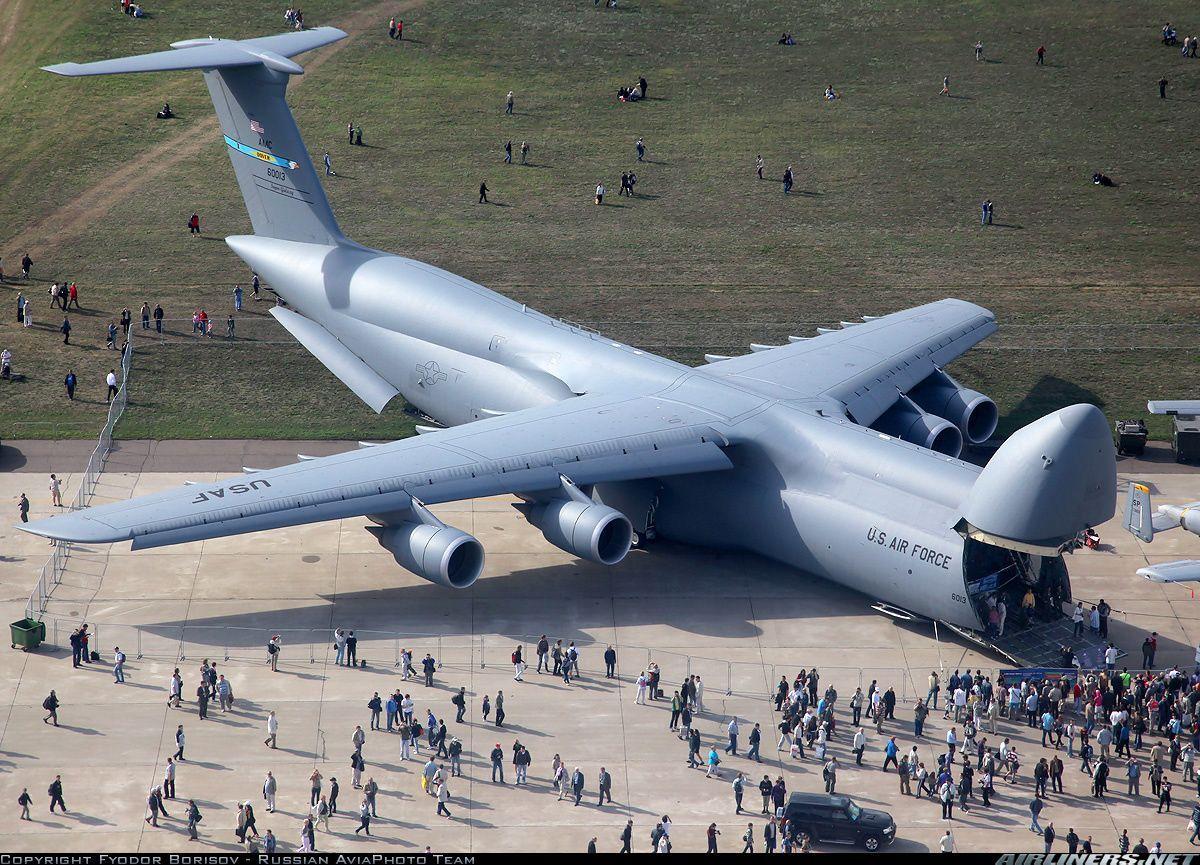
[
  {"x": 1138, "y": 515},
  {"x": 247, "y": 80}
]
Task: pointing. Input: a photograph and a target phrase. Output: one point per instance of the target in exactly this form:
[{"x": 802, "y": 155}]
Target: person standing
[
  {"x": 524, "y": 151},
  {"x": 180, "y": 741},
  {"x": 168, "y": 784},
  {"x": 237, "y": 302},
  {"x": 605, "y": 782},
  {"x": 713, "y": 832},
  {"x": 23, "y": 507},
  {"x": 145, "y": 315},
  {"x": 499, "y": 708},
  {"x": 508, "y": 103},
  {"x": 497, "y": 757},
  {"x": 270, "y": 788},
  {"x": 272, "y": 730},
  {"x": 1041, "y": 56},
  {"x": 1162, "y": 88},
  {"x": 55, "y": 491},
  {"x": 65, "y": 330},
  {"x": 739, "y": 790},
  {"x": 640, "y": 147},
  {"x": 194, "y": 223},
  {"x": 111, "y": 381},
  {"x": 158, "y": 317},
  {"x": 627, "y": 837},
  {"x": 328, "y": 172},
  {"x": 274, "y": 646},
  {"x": 483, "y": 191},
  {"x": 610, "y": 662},
  {"x": 599, "y": 193},
  {"x": 759, "y": 166},
  {"x": 351, "y": 650},
  {"x": 788, "y": 180}
]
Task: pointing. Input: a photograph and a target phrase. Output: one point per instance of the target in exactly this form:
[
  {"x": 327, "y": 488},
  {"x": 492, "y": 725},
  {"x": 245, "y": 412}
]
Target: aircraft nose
[{"x": 1049, "y": 481}]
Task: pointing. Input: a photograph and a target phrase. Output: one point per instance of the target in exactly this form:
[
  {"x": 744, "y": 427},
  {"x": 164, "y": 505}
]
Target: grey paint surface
[{"x": 772, "y": 451}]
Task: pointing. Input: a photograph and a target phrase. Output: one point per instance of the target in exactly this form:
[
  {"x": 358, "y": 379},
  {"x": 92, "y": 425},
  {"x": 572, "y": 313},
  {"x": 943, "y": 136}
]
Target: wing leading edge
[
  {"x": 867, "y": 366},
  {"x": 588, "y": 439}
]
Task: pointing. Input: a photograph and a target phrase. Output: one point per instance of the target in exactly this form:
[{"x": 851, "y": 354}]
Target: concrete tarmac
[{"x": 736, "y": 620}]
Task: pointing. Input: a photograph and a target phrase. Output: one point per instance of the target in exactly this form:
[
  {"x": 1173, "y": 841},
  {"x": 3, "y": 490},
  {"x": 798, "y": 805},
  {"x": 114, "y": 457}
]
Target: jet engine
[
  {"x": 438, "y": 553},
  {"x": 973, "y": 413},
  {"x": 585, "y": 529},
  {"x": 906, "y": 420}
]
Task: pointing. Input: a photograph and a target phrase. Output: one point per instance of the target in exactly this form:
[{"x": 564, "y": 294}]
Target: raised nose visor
[{"x": 1048, "y": 482}]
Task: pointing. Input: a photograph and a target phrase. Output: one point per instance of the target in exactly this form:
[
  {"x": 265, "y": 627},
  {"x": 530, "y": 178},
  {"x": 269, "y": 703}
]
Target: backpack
[
  {"x": 47, "y": 704},
  {"x": 272, "y": 648},
  {"x": 514, "y": 657}
]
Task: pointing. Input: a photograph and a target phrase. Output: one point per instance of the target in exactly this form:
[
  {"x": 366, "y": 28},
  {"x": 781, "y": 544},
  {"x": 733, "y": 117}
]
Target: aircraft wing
[
  {"x": 1186, "y": 571},
  {"x": 867, "y": 365},
  {"x": 588, "y": 439}
]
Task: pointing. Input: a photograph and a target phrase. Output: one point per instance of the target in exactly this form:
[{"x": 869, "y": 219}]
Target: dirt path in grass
[{"x": 86, "y": 209}]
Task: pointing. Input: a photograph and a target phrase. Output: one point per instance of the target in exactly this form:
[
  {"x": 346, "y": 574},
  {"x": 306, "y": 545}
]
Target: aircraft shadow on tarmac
[{"x": 694, "y": 581}]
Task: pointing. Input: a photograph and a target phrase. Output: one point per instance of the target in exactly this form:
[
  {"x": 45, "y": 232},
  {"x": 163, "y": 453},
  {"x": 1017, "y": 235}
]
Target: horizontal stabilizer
[
  {"x": 270, "y": 51},
  {"x": 368, "y": 385},
  {"x": 1185, "y": 571}
]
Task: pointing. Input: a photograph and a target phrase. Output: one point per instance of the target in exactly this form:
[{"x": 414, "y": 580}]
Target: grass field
[{"x": 1095, "y": 288}]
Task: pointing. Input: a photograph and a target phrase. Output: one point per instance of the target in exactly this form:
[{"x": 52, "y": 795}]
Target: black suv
[{"x": 837, "y": 820}]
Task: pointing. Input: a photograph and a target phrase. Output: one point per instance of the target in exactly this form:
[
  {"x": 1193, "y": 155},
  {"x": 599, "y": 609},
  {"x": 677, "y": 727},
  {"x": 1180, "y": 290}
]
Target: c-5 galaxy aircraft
[{"x": 836, "y": 454}]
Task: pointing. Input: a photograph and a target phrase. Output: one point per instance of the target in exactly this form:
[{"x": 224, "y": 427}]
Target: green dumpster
[{"x": 28, "y": 634}]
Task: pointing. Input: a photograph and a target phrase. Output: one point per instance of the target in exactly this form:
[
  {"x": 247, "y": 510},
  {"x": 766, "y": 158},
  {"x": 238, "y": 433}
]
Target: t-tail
[{"x": 247, "y": 80}]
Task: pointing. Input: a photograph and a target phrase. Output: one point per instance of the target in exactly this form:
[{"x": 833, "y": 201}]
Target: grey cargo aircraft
[{"x": 836, "y": 454}]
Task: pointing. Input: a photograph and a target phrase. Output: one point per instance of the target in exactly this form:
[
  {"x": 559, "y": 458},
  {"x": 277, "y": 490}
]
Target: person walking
[
  {"x": 329, "y": 172},
  {"x": 272, "y": 730},
  {"x": 604, "y": 781},
  {"x": 193, "y": 820},
  {"x": 508, "y": 103},
  {"x": 56, "y": 794},
  {"x": 364, "y": 817},
  {"x": 51, "y": 704},
  {"x": 25, "y": 800},
  {"x": 180, "y": 741},
  {"x": 443, "y": 797},
  {"x": 748, "y": 839}
]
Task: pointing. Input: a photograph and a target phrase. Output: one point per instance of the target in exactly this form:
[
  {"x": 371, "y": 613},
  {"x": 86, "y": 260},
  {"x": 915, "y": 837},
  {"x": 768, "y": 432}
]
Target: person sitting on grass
[
  {"x": 166, "y": 113},
  {"x": 830, "y": 93},
  {"x": 1101, "y": 179}
]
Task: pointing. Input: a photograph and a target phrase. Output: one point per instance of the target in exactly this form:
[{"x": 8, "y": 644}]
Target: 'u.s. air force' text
[{"x": 903, "y": 547}]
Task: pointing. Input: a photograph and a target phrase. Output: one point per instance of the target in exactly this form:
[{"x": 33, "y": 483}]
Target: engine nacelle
[
  {"x": 906, "y": 421},
  {"x": 973, "y": 413},
  {"x": 590, "y": 531},
  {"x": 440, "y": 554}
]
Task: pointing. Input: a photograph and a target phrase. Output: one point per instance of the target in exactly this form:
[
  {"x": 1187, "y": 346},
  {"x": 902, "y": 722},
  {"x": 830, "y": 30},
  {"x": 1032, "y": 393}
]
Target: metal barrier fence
[
  {"x": 52, "y": 571},
  {"x": 734, "y": 338}
]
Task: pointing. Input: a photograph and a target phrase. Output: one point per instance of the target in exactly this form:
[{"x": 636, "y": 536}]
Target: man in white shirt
[
  {"x": 111, "y": 381},
  {"x": 272, "y": 730}
]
